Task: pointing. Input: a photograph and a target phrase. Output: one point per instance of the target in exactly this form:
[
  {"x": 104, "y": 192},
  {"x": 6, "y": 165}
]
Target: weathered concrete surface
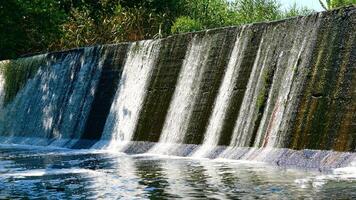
[
  {"x": 161, "y": 88},
  {"x": 212, "y": 70},
  {"x": 326, "y": 117}
]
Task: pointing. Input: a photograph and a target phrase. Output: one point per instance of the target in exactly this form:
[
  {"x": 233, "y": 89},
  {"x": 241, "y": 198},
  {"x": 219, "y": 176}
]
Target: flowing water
[
  {"x": 120, "y": 125},
  {"x": 28, "y": 172}
]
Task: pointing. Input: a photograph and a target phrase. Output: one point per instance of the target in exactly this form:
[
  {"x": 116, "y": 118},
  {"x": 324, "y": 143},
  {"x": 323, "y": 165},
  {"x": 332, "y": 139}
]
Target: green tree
[
  {"x": 28, "y": 26},
  {"x": 218, "y": 13},
  {"x": 120, "y": 24},
  {"x": 248, "y": 11},
  {"x": 164, "y": 13},
  {"x": 186, "y": 24},
  {"x": 45, "y": 25},
  {"x": 330, "y": 4},
  {"x": 210, "y": 13},
  {"x": 295, "y": 10}
]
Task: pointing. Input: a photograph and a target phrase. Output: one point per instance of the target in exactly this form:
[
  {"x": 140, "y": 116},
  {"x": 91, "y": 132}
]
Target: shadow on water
[
  {"x": 153, "y": 178},
  {"x": 62, "y": 174}
]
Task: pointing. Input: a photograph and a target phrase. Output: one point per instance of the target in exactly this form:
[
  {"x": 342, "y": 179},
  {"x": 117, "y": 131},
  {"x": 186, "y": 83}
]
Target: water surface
[{"x": 29, "y": 172}]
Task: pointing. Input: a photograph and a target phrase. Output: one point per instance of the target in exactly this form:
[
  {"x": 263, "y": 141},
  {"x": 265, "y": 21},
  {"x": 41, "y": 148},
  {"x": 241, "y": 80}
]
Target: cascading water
[
  {"x": 282, "y": 99},
  {"x": 180, "y": 109},
  {"x": 287, "y": 84},
  {"x": 198, "y": 83},
  {"x": 217, "y": 119},
  {"x": 2, "y": 89},
  {"x": 2, "y": 96},
  {"x": 125, "y": 110},
  {"x": 273, "y": 87},
  {"x": 61, "y": 93}
]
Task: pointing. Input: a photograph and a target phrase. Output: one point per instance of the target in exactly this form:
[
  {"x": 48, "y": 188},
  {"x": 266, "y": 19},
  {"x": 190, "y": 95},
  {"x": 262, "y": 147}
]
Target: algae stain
[
  {"x": 263, "y": 94},
  {"x": 17, "y": 72},
  {"x": 136, "y": 47}
]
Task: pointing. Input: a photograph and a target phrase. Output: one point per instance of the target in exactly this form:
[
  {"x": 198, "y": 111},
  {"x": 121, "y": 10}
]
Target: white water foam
[
  {"x": 345, "y": 174},
  {"x": 2, "y": 85},
  {"x": 2, "y": 96},
  {"x": 46, "y": 172},
  {"x": 128, "y": 101},
  {"x": 246, "y": 112},
  {"x": 213, "y": 132},
  {"x": 180, "y": 110},
  {"x": 285, "y": 90}
]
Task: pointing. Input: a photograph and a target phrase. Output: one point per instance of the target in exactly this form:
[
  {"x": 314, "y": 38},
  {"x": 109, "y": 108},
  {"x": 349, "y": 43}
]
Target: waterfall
[
  {"x": 255, "y": 92},
  {"x": 61, "y": 93},
  {"x": 2, "y": 89},
  {"x": 278, "y": 72},
  {"x": 191, "y": 97},
  {"x": 282, "y": 99},
  {"x": 125, "y": 110},
  {"x": 180, "y": 108},
  {"x": 219, "y": 113},
  {"x": 2, "y": 96}
]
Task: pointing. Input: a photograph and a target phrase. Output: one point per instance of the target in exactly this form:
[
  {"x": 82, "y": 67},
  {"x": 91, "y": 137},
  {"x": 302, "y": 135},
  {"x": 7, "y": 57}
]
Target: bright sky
[{"x": 312, "y": 4}]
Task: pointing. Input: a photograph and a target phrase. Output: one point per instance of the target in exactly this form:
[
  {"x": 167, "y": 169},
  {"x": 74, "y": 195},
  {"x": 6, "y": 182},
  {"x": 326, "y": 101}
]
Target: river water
[{"x": 28, "y": 172}]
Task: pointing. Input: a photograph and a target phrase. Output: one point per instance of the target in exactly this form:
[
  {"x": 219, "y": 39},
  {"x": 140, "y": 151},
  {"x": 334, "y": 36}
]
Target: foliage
[
  {"x": 82, "y": 29},
  {"x": 122, "y": 24},
  {"x": 28, "y": 26},
  {"x": 186, "y": 24},
  {"x": 248, "y": 11},
  {"x": 331, "y": 4},
  {"x": 46, "y": 25},
  {"x": 294, "y": 10},
  {"x": 217, "y": 13},
  {"x": 210, "y": 13}
]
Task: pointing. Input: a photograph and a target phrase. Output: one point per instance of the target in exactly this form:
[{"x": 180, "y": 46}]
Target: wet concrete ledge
[{"x": 309, "y": 160}]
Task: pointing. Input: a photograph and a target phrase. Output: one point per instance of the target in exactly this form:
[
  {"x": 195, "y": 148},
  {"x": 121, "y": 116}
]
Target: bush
[
  {"x": 331, "y": 4},
  {"x": 123, "y": 24},
  {"x": 249, "y": 11},
  {"x": 295, "y": 10},
  {"x": 186, "y": 24},
  {"x": 28, "y": 26},
  {"x": 210, "y": 13}
]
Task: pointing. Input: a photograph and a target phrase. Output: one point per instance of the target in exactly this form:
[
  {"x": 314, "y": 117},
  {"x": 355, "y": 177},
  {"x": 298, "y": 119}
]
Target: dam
[{"x": 282, "y": 93}]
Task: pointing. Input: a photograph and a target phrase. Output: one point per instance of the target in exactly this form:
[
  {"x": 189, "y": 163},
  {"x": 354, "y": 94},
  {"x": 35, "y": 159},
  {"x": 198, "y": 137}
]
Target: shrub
[
  {"x": 330, "y": 4},
  {"x": 186, "y": 24},
  {"x": 28, "y": 26},
  {"x": 295, "y": 10},
  {"x": 123, "y": 24},
  {"x": 249, "y": 11}
]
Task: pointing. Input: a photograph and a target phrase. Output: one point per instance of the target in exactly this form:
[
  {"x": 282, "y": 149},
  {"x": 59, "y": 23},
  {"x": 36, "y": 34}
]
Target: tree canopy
[
  {"x": 31, "y": 26},
  {"x": 331, "y": 4}
]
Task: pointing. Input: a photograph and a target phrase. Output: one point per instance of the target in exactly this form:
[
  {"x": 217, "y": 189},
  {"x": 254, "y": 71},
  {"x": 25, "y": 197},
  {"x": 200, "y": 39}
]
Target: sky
[{"x": 312, "y": 4}]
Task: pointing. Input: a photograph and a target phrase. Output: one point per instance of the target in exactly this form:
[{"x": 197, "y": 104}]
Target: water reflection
[{"x": 66, "y": 174}]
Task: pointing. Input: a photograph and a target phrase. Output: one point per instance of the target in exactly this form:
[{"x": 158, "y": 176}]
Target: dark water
[{"x": 37, "y": 173}]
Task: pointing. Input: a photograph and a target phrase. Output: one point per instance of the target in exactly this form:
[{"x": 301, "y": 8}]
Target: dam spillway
[{"x": 287, "y": 85}]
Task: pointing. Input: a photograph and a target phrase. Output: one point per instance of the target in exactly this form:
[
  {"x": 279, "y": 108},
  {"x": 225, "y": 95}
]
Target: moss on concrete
[{"x": 17, "y": 72}]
